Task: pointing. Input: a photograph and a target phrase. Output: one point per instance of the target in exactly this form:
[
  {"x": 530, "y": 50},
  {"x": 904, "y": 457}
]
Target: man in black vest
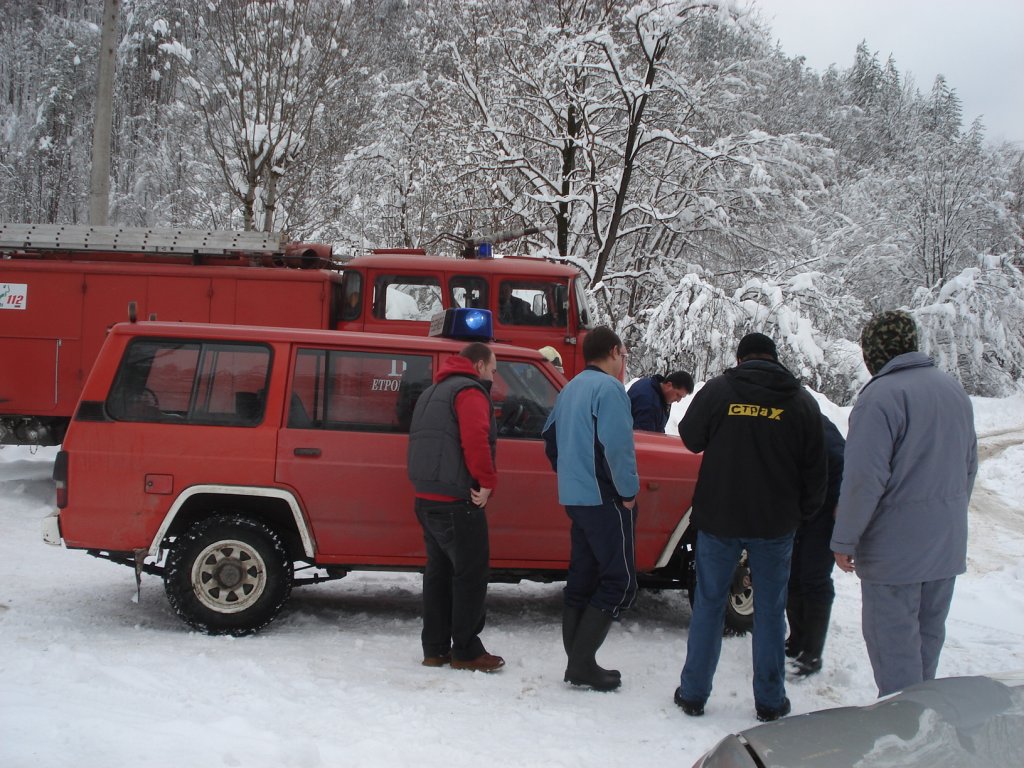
[{"x": 451, "y": 465}]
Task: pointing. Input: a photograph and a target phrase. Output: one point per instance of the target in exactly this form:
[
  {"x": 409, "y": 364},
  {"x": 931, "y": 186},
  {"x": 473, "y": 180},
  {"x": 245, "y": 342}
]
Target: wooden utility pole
[{"x": 99, "y": 188}]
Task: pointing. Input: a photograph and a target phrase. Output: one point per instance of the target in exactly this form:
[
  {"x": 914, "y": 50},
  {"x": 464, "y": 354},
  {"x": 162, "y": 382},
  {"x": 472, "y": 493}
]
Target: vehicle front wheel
[
  {"x": 739, "y": 608},
  {"x": 739, "y": 611},
  {"x": 228, "y": 574}
]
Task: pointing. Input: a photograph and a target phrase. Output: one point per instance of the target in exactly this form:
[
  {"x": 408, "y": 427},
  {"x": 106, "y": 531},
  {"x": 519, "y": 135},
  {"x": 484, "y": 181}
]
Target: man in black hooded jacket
[{"x": 763, "y": 470}]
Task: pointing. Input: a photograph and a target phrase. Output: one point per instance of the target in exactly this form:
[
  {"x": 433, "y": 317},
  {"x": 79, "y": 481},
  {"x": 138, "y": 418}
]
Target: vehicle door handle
[{"x": 307, "y": 452}]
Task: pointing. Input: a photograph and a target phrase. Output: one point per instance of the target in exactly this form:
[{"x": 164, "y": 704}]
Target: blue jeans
[{"x": 769, "y": 569}]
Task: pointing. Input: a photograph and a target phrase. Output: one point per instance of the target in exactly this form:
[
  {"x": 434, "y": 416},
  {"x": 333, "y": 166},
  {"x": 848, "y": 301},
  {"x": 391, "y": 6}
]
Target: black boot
[
  {"x": 816, "y": 616},
  {"x": 583, "y": 668},
  {"x": 570, "y": 621},
  {"x": 795, "y": 615}
]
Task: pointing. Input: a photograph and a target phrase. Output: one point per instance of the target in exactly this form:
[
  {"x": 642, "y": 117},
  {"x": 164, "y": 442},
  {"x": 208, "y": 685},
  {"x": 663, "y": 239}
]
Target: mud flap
[{"x": 140, "y": 558}]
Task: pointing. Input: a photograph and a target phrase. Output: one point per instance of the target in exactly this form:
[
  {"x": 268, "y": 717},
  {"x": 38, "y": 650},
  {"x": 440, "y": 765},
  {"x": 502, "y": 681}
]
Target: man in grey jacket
[{"x": 901, "y": 523}]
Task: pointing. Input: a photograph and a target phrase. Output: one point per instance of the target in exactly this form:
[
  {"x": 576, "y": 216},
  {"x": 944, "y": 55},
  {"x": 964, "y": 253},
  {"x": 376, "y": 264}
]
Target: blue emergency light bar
[
  {"x": 485, "y": 250},
  {"x": 462, "y": 323}
]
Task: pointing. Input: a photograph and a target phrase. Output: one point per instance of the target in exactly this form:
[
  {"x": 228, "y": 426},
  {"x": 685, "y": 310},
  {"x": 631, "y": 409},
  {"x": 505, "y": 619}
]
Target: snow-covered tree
[
  {"x": 47, "y": 68},
  {"x": 698, "y": 326},
  {"x": 260, "y": 83},
  {"x": 973, "y": 325},
  {"x": 707, "y": 184}
]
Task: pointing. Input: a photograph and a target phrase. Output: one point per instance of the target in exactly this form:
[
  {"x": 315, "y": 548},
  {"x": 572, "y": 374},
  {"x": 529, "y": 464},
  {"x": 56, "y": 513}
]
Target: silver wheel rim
[
  {"x": 743, "y": 600},
  {"x": 229, "y": 576}
]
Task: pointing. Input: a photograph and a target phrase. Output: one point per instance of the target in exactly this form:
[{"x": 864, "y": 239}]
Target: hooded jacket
[
  {"x": 452, "y": 437},
  {"x": 910, "y": 462},
  {"x": 764, "y": 464}
]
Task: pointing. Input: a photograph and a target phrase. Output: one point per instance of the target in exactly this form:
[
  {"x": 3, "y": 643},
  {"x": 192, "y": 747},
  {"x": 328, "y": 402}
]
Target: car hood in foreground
[{"x": 957, "y": 722}]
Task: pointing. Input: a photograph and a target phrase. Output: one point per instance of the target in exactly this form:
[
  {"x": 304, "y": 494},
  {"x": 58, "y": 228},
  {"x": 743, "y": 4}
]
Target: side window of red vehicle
[
  {"x": 406, "y": 297},
  {"x": 523, "y": 397},
  {"x": 352, "y": 295},
  {"x": 357, "y": 391},
  {"x": 467, "y": 291},
  {"x": 532, "y": 302},
  {"x": 191, "y": 382}
]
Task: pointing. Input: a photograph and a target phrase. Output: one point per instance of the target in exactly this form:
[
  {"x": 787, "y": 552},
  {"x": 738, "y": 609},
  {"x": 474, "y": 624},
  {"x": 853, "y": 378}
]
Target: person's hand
[
  {"x": 629, "y": 504},
  {"x": 845, "y": 562},
  {"x": 479, "y": 496}
]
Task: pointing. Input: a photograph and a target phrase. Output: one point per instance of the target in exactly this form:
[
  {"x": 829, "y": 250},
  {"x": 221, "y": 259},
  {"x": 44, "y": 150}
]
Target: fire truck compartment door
[{"x": 28, "y": 375}]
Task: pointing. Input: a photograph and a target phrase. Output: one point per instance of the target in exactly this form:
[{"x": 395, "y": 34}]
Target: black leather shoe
[
  {"x": 769, "y": 714},
  {"x": 793, "y": 648},
  {"x": 803, "y": 665},
  {"x": 692, "y": 708}
]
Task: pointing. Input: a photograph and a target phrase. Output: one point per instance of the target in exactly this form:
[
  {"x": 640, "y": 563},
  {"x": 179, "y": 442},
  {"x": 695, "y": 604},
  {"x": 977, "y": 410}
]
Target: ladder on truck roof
[{"x": 156, "y": 240}]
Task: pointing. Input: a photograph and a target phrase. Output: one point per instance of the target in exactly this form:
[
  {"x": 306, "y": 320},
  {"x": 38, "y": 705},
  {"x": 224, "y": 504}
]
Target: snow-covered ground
[{"x": 89, "y": 677}]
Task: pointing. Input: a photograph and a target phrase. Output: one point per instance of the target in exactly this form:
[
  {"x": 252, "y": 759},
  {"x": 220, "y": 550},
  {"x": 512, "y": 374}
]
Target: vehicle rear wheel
[{"x": 228, "y": 574}]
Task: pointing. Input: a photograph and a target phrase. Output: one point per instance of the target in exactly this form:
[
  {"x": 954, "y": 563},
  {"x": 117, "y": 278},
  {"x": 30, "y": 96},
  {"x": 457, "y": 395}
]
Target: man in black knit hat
[{"x": 763, "y": 470}]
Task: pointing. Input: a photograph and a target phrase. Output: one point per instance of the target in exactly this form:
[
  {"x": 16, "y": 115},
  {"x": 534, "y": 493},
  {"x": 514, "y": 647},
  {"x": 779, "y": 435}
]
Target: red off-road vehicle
[{"x": 238, "y": 461}]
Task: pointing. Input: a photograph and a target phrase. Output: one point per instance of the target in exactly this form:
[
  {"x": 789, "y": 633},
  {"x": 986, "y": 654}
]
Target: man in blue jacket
[
  {"x": 651, "y": 399},
  {"x": 910, "y": 462},
  {"x": 589, "y": 441}
]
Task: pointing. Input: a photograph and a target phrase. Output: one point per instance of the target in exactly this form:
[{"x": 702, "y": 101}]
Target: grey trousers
[{"x": 904, "y": 628}]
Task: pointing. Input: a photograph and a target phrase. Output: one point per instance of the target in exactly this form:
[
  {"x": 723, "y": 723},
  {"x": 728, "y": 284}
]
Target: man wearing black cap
[
  {"x": 763, "y": 470},
  {"x": 911, "y": 458}
]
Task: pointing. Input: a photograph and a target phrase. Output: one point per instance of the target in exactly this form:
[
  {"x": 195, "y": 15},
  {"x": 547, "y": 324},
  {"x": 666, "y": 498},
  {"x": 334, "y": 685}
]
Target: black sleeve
[
  {"x": 815, "y": 469},
  {"x": 834, "y": 447},
  {"x": 551, "y": 446}
]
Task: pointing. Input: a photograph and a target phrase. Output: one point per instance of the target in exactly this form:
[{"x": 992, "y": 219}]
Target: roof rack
[{"x": 162, "y": 240}]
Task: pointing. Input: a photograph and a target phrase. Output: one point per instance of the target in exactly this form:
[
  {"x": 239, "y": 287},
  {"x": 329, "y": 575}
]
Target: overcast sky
[{"x": 977, "y": 44}]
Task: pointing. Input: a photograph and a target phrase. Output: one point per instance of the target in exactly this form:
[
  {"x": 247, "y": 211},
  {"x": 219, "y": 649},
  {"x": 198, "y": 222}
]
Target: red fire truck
[{"x": 63, "y": 287}]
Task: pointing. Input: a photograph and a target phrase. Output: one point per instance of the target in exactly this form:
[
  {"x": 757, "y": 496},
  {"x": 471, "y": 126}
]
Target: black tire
[
  {"x": 228, "y": 574},
  {"x": 739, "y": 609}
]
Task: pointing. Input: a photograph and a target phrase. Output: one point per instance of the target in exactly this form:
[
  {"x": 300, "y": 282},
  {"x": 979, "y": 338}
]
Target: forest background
[{"x": 705, "y": 183}]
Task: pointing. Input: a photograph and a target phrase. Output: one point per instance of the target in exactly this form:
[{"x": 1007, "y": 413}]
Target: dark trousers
[
  {"x": 810, "y": 576},
  {"x": 455, "y": 579},
  {"x": 602, "y": 562}
]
